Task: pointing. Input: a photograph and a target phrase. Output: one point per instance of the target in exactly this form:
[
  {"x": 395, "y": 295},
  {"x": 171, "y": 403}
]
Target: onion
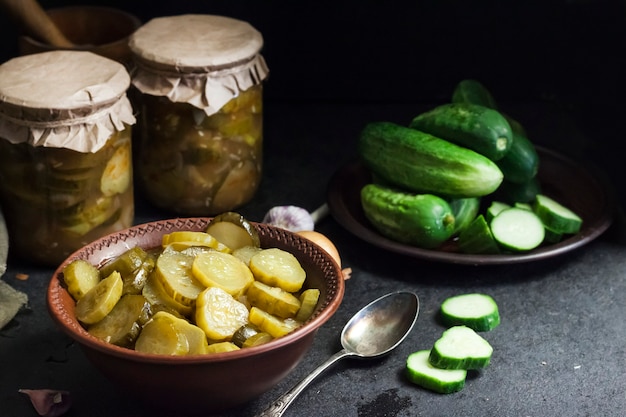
[{"x": 322, "y": 241}]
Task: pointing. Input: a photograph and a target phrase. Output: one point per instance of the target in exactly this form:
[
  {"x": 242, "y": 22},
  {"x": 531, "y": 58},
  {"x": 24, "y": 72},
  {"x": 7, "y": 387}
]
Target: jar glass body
[
  {"x": 195, "y": 164},
  {"x": 56, "y": 200}
]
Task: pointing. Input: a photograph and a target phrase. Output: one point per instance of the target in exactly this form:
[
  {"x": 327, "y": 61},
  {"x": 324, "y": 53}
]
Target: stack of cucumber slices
[{"x": 460, "y": 348}]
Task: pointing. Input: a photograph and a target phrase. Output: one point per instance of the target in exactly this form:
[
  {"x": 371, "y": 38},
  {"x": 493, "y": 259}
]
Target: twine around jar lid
[
  {"x": 203, "y": 60},
  {"x": 64, "y": 99}
]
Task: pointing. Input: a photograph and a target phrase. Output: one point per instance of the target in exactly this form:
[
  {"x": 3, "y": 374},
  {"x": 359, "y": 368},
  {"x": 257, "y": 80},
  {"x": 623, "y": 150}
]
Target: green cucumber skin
[
  {"x": 554, "y": 222},
  {"x": 465, "y": 211},
  {"x": 512, "y": 192},
  {"x": 521, "y": 162},
  {"x": 423, "y": 163},
  {"x": 422, "y": 220},
  {"x": 477, "y": 238},
  {"x": 473, "y": 91},
  {"x": 443, "y": 381},
  {"x": 473, "y": 126}
]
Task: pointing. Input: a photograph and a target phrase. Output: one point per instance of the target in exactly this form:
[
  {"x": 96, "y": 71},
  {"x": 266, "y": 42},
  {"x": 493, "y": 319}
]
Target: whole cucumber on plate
[
  {"x": 473, "y": 126},
  {"x": 421, "y": 220},
  {"x": 473, "y": 91},
  {"x": 423, "y": 163}
]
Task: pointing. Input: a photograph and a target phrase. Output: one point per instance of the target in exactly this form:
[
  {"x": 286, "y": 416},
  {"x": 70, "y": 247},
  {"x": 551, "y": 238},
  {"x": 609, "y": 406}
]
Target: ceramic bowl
[{"x": 200, "y": 384}]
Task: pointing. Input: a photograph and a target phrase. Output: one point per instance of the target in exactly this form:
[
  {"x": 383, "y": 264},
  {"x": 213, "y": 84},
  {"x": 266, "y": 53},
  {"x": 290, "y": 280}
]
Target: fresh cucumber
[
  {"x": 421, "y": 372},
  {"x": 475, "y": 310},
  {"x": 460, "y": 347},
  {"x": 477, "y": 238},
  {"x": 521, "y": 162},
  {"x": 517, "y": 229},
  {"x": 473, "y": 126},
  {"x": 423, "y": 163},
  {"x": 422, "y": 220},
  {"x": 512, "y": 192},
  {"x": 465, "y": 211},
  {"x": 556, "y": 216},
  {"x": 473, "y": 91}
]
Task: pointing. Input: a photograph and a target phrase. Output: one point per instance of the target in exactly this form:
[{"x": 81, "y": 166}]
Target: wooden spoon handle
[{"x": 36, "y": 22}]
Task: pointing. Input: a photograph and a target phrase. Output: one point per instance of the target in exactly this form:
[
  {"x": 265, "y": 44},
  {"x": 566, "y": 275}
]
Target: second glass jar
[{"x": 201, "y": 113}]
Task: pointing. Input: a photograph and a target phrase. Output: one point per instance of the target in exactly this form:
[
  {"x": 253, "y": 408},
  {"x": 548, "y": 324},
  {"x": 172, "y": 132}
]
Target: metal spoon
[{"x": 373, "y": 331}]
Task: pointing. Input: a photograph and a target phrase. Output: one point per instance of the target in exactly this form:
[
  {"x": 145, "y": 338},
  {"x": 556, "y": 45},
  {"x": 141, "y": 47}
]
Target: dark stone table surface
[{"x": 559, "y": 351}]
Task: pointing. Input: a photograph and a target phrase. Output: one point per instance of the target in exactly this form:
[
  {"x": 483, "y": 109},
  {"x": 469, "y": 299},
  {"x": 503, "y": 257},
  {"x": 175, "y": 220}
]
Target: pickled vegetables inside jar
[
  {"x": 66, "y": 174},
  {"x": 201, "y": 106}
]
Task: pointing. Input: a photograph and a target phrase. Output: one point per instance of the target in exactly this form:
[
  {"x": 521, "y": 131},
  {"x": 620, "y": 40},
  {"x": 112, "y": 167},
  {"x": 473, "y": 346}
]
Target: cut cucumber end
[
  {"x": 476, "y": 311},
  {"x": 460, "y": 347},
  {"x": 477, "y": 238},
  {"x": 556, "y": 216},
  {"x": 518, "y": 229},
  {"x": 421, "y": 372}
]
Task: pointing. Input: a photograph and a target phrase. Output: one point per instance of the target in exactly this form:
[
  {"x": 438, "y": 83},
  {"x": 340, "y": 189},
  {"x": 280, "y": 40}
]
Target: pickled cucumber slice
[
  {"x": 117, "y": 175},
  {"x": 274, "y": 326},
  {"x": 160, "y": 336},
  {"x": 220, "y": 347},
  {"x": 308, "y": 302},
  {"x": 123, "y": 324},
  {"x": 134, "y": 283},
  {"x": 223, "y": 270},
  {"x": 91, "y": 216},
  {"x": 126, "y": 263},
  {"x": 173, "y": 270},
  {"x": 233, "y": 230},
  {"x": 273, "y": 300},
  {"x": 258, "y": 339},
  {"x": 181, "y": 240},
  {"x": 100, "y": 300},
  {"x": 219, "y": 314},
  {"x": 244, "y": 332},
  {"x": 196, "y": 339},
  {"x": 246, "y": 252},
  {"x": 278, "y": 268},
  {"x": 159, "y": 300},
  {"x": 80, "y": 276}
]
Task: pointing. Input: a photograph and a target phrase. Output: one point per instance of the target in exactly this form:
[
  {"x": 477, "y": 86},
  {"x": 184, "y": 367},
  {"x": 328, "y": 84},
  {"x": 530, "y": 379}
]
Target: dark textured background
[
  {"x": 372, "y": 50},
  {"x": 569, "y": 52}
]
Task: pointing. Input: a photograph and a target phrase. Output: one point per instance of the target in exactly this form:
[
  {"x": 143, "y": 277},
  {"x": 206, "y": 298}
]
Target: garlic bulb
[{"x": 292, "y": 218}]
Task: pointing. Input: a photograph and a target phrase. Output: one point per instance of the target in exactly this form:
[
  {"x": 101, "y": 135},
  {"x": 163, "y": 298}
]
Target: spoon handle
[{"x": 280, "y": 405}]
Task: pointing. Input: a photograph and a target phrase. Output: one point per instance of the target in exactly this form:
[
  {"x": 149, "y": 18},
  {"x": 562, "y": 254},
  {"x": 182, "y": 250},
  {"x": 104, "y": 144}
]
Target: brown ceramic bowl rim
[
  {"x": 134, "y": 20},
  {"x": 69, "y": 325}
]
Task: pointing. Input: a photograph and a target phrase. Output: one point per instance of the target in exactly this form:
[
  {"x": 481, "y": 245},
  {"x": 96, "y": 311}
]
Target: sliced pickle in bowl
[
  {"x": 123, "y": 324},
  {"x": 233, "y": 230}
]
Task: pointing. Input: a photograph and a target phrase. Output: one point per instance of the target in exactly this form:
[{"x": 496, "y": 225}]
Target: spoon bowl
[{"x": 373, "y": 331}]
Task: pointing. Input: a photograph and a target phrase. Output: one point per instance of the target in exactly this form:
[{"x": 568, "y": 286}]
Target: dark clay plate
[{"x": 561, "y": 178}]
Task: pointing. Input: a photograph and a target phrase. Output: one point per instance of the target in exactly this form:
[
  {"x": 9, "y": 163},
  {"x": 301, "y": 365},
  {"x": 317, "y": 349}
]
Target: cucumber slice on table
[
  {"x": 518, "y": 229},
  {"x": 556, "y": 216},
  {"x": 421, "y": 372},
  {"x": 460, "y": 347},
  {"x": 476, "y": 311}
]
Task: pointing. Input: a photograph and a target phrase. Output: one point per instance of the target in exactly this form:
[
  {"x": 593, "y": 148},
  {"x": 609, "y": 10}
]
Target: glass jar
[
  {"x": 65, "y": 152},
  {"x": 200, "y": 97}
]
